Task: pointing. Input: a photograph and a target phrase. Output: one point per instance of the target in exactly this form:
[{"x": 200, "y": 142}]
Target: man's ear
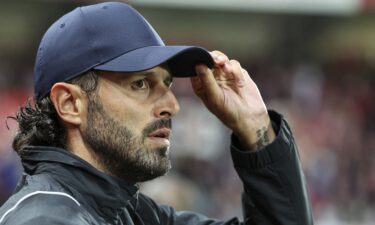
[{"x": 69, "y": 101}]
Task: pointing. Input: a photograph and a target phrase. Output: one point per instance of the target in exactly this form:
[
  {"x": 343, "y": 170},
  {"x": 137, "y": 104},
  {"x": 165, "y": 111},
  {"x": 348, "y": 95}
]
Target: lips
[
  {"x": 161, "y": 133},
  {"x": 161, "y": 136}
]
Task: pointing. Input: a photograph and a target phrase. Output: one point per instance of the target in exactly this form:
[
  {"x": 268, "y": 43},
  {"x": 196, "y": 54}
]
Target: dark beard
[{"x": 119, "y": 151}]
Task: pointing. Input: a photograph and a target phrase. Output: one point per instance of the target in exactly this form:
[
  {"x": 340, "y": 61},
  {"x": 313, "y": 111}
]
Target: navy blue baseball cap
[{"x": 110, "y": 36}]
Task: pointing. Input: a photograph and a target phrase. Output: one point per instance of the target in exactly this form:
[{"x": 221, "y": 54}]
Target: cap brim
[{"x": 180, "y": 59}]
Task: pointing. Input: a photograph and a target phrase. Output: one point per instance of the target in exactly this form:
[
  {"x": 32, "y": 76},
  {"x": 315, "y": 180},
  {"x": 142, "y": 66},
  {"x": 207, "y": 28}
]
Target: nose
[{"x": 167, "y": 106}]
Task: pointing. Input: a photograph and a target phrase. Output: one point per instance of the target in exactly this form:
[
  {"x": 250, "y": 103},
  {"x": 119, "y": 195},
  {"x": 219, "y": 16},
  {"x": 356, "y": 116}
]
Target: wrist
[{"x": 256, "y": 134}]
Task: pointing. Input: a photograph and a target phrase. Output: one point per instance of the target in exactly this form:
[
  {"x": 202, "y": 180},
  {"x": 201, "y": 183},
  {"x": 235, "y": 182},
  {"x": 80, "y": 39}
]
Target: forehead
[{"x": 162, "y": 70}]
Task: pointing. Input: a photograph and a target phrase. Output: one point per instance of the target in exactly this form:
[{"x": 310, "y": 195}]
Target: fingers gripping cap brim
[{"x": 180, "y": 59}]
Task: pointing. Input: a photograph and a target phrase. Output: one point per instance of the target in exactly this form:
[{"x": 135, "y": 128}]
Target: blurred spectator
[{"x": 10, "y": 167}]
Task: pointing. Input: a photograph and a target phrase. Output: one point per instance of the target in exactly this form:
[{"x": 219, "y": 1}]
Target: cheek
[
  {"x": 127, "y": 110},
  {"x": 130, "y": 114},
  {"x": 135, "y": 120}
]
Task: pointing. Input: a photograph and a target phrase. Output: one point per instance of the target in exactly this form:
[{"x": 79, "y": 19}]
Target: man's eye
[
  {"x": 139, "y": 84},
  {"x": 168, "y": 82}
]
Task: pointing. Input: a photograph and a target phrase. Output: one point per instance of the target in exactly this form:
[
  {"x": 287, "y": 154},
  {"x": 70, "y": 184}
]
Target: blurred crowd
[{"x": 330, "y": 107}]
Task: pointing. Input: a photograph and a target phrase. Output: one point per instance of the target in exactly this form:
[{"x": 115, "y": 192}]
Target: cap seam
[
  {"x": 87, "y": 29},
  {"x": 147, "y": 25}
]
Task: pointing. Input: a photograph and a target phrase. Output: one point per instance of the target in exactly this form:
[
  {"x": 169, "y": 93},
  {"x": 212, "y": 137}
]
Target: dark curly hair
[{"x": 38, "y": 121}]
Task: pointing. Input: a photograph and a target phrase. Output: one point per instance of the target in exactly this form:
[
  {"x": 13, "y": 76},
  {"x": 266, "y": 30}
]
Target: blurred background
[{"x": 312, "y": 60}]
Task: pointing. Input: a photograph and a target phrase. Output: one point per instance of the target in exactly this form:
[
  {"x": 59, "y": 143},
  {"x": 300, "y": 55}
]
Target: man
[{"x": 102, "y": 122}]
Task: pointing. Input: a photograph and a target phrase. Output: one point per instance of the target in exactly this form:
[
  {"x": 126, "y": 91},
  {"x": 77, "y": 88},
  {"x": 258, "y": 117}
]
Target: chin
[
  {"x": 146, "y": 170},
  {"x": 164, "y": 152}
]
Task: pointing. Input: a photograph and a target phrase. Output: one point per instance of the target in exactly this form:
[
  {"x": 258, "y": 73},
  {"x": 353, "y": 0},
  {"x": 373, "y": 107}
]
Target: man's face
[{"x": 129, "y": 122}]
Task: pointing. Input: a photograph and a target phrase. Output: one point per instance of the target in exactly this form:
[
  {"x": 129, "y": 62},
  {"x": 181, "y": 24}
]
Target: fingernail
[{"x": 220, "y": 58}]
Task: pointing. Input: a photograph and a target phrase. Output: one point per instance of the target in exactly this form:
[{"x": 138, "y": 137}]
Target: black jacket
[{"x": 58, "y": 188}]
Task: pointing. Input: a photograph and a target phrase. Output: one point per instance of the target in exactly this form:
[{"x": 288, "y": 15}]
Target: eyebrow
[
  {"x": 146, "y": 73},
  {"x": 168, "y": 80}
]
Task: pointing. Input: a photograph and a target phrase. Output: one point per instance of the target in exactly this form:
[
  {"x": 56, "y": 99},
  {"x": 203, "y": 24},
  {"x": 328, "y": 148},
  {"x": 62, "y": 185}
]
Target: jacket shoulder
[{"x": 42, "y": 208}]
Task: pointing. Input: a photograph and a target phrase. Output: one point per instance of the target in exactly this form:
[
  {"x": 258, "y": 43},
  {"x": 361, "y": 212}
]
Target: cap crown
[{"x": 86, "y": 37}]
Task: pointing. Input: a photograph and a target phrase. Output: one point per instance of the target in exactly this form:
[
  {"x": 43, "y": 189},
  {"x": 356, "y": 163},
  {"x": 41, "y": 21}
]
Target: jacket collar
[{"x": 102, "y": 192}]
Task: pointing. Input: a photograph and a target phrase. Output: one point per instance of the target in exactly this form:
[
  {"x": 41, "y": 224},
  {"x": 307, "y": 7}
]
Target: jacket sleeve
[{"x": 275, "y": 191}]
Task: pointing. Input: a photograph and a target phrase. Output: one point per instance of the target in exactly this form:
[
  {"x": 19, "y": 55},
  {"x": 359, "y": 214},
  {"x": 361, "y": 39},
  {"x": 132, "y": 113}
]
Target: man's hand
[{"x": 228, "y": 92}]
